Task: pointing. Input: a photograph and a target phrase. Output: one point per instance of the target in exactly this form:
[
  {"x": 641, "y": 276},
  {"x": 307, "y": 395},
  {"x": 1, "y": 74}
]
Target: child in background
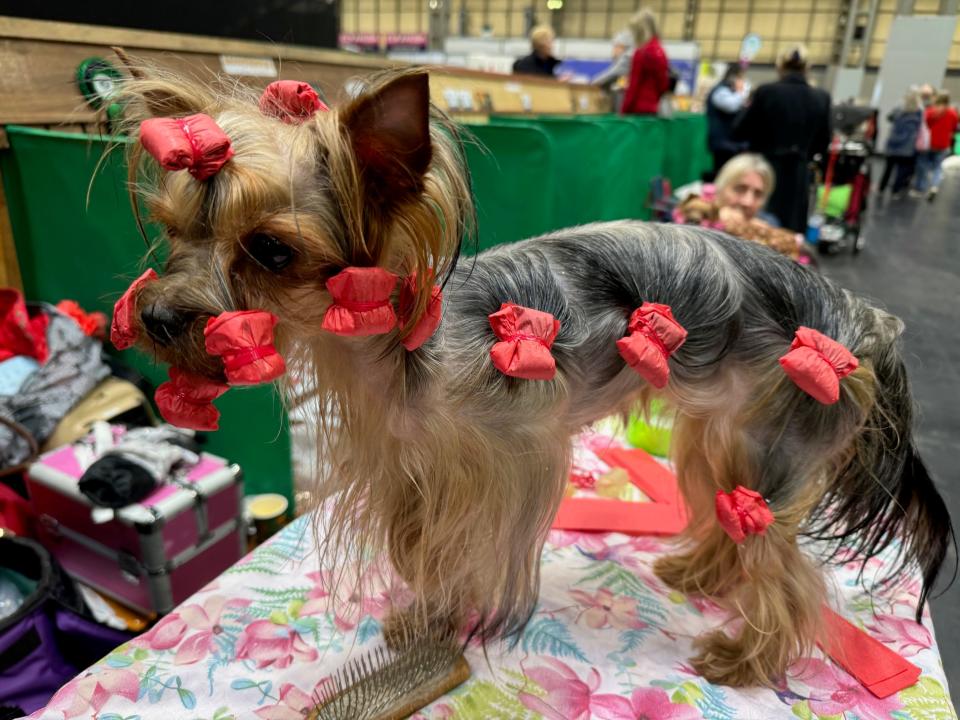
[{"x": 942, "y": 121}]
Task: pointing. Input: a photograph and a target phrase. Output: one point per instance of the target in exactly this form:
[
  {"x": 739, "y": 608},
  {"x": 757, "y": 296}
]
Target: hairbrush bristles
[{"x": 381, "y": 685}]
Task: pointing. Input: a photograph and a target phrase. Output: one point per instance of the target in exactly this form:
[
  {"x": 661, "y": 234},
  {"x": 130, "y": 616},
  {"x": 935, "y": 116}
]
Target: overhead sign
[{"x": 750, "y": 46}]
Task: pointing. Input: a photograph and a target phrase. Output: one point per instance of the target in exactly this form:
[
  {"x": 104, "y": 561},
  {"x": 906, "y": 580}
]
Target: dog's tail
[{"x": 882, "y": 493}]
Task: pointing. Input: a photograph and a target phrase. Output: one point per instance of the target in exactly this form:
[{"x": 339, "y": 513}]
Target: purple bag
[{"x": 50, "y": 638}]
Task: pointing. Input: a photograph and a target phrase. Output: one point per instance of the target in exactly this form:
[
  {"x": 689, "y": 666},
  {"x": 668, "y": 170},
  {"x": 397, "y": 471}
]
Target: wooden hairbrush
[{"x": 381, "y": 685}]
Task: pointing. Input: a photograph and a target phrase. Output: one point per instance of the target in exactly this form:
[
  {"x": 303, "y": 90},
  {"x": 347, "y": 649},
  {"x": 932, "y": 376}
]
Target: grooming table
[{"x": 608, "y": 640}]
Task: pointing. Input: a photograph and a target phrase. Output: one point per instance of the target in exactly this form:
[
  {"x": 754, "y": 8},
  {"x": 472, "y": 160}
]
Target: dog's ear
[{"x": 390, "y": 132}]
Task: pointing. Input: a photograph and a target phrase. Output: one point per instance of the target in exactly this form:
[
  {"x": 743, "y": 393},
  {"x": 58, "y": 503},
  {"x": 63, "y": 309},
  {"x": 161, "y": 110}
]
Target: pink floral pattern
[
  {"x": 643, "y": 704},
  {"x": 91, "y": 691},
  {"x": 904, "y": 635},
  {"x": 604, "y": 609},
  {"x": 294, "y": 703},
  {"x": 166, "y": 634},
  {"x": 267, "y": 643},
  {"x": 205, "y": 619},
  {"x": 608, "y": 640},
  {"x": 833, "y": 692},
  {"x": 567, "y": 696}
]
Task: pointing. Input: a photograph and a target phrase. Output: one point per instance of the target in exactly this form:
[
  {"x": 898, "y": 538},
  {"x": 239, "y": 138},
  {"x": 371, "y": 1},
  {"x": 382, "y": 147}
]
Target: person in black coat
[
  {"x": 788, "y": 122},
  {"x": 541, "y": 61}
]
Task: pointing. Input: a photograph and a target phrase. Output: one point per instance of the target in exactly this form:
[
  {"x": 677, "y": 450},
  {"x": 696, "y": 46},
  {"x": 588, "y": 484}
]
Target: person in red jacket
[
  {"x": 942, "y": 121},
  {"x": 649, "y": 72}
]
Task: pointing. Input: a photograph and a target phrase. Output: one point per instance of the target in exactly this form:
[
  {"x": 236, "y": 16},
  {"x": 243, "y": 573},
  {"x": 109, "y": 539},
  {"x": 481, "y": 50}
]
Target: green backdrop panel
[
  {"x": 624, "y": 195},
  {"x": 579, "y": 165},
  {"x": 89, "y": 252},
  {"x": 511, "y": 167},
  {"x": 686, "y": 156},
  {"x": 645, "y": 157},
  {"x": 632, "y": 152}
]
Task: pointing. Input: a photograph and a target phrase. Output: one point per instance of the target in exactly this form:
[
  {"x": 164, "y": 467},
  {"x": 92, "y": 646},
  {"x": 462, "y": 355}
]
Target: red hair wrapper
[
  {"x": 361, "y": 302},
  {"x": 742, "y": 513},
  {"x": 244, "y": 340},
  {"x": 653, "y": 335},
  {"x": 123, "y": 327},
  {"x": 291, "y": 101},
  {"x": 525, "y": 336},
  {"x": 816, "y": 364},
  {"x": 93, "y": 324},
  {"x": 194, "y": 143},
  {"x": 186, "y": 400},
  {"x": 430, "y": 320}
]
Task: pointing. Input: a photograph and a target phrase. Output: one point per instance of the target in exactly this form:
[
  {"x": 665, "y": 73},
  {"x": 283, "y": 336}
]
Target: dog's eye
[{"x": 270, "y": 252}]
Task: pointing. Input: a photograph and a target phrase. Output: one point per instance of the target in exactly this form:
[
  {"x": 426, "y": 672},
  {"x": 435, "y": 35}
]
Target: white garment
[{"x": 729, "y": 100}]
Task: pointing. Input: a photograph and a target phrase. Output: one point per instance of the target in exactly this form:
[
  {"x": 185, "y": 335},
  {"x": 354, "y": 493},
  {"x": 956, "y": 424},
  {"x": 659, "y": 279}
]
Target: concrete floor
[{"x": 911, "y": 266}]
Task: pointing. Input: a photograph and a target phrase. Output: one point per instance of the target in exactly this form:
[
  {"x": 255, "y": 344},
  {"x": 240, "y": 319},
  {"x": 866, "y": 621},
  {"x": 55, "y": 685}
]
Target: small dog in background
[
  {"x": 449, "y": 391},
  {"x": 695, "y": 210}
]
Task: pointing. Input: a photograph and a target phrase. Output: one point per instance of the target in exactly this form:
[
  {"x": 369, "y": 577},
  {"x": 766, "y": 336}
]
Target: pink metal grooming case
[{"x": 153, "y": 554}]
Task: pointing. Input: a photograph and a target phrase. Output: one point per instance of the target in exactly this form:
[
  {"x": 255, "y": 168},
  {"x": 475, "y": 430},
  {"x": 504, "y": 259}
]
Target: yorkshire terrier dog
[
  {"x": 695, "y": 210},
  {"x": 449, "y": 388}
]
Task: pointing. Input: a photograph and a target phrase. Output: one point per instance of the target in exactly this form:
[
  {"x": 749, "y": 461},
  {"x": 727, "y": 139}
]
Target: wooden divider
[{"x": 39, "y": 59}]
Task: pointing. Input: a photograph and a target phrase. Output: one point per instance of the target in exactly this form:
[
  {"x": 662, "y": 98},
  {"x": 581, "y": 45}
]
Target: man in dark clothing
[
  {"x": 724, "y": 103},
  {"x": 541, "y": 60},
  {"x": 788, "y": 122}
]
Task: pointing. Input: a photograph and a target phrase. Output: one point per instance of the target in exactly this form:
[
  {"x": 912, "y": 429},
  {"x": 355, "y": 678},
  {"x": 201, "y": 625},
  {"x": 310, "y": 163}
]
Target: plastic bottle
[{"x": 813, "y": 228}]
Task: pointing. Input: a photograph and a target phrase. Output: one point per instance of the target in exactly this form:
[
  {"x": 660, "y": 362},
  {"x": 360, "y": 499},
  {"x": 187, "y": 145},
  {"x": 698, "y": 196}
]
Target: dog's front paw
[
  {"x": 398, "y": 628},
  {"x": 401, "y": 628}
]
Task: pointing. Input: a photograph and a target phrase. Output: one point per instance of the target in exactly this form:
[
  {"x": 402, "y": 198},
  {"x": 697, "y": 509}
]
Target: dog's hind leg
[
  {"x": 776, "y": 602},
  {"x": 773, "y": 592}
]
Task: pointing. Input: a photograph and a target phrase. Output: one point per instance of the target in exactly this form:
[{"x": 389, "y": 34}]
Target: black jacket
[
  {"x": 787, "y": 117},
  {"x": 720, "y": 126},
  {"x": 532, "y": 64}
]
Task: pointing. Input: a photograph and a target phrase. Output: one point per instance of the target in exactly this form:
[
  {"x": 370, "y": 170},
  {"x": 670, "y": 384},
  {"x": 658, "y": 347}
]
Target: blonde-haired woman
[
  {"x": 649, "y": 70},
  {"x": 735, "y": 205},
  {"x": 541, "y": 60},
  {"x": 788, "y": 122},
  {"x": 743, "y": 185}
]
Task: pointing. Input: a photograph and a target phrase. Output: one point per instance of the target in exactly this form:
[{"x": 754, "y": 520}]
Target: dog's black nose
[{"x": 161, "y": 323}]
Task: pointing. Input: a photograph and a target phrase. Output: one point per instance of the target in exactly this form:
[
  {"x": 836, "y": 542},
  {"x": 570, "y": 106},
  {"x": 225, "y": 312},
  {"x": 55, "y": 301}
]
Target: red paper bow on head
[
  {"x": 743, "y": 512},
  {"x": 21, "y": 334},
  {"x": 123, "y": 328},
  {"x": 816, "y": 364},
  {"x": 195, "y": 142},
  {"x": 290, "y": 101},
  {"x": 526, "y": 336},
  {"x": 430, "y": 320},
  {"x": 245, "y": 342},
  {"x": 93, "y": 324},
  {"x": 187, "y": 400},
  {"x": 361, "y": 302},
  {"x": 653, "y": 335}
]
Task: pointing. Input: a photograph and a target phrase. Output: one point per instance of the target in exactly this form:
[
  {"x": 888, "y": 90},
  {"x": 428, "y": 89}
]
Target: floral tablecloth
[{"x": 608, "y": 641}]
